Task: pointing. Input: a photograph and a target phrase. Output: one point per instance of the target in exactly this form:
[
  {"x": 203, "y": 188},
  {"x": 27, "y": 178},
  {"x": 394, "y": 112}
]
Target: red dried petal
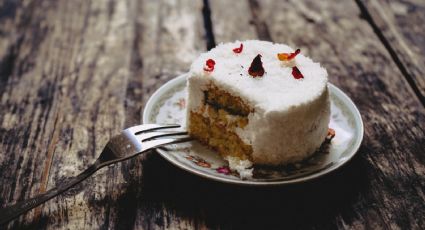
[
  {"x": 224, "y": 170},
  {"x": 238, "y": 50},
  {"x": 288, "y": 56},
  {"x": 331, "y": 134},
  {"x": 209, "y": 65},
  {"x": 296, "y": 73},
  {"x": 256, "y": 69},
  {"x": 294, "y": 54}
]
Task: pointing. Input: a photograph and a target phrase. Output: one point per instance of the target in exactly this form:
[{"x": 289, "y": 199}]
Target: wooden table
[{"x": 74, "y": 73}]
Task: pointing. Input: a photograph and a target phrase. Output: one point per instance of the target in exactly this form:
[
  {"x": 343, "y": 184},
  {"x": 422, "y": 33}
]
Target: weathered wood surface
[
  {"x": 66, "y": 81},
  {"x": 73, "y": 73},
  {"x": 387, "y": 178},
  {"x": 400, "y": 26}
]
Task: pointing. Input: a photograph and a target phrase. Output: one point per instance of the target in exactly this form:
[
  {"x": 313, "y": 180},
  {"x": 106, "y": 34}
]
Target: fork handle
[{"x": 13, "y": 211}]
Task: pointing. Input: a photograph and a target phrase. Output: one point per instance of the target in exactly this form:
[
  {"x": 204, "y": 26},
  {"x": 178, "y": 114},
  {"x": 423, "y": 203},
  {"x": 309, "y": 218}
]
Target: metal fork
[{"x": 129, "y": 143}]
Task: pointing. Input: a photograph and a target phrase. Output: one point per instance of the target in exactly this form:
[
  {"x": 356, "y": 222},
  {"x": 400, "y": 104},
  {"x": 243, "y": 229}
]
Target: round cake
[{"x": 258, "y": 102}]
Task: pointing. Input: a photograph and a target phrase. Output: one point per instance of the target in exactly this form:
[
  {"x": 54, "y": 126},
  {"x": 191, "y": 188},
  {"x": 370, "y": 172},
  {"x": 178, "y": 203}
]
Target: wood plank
[
  {"x": 98, "y": 36},
  {"x": 383, "y": 186},
  {"x": 77, "y": 73},
  {"x": 170, "y": 35},
  {"x": 56, "y": 56},
  {"x": 29, "y": 115},
  {"x": 67, "y": 86},
  {"x": 399, "y": 25}
]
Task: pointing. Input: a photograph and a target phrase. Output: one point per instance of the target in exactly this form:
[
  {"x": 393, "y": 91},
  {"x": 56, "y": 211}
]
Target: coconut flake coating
[{"x": 290, "y": 116}]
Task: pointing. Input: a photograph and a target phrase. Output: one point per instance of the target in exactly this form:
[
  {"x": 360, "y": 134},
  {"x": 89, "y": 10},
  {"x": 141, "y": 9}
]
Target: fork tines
[
  {"x": 136, "y": 130},
  {"x": 154, "y": 135}
]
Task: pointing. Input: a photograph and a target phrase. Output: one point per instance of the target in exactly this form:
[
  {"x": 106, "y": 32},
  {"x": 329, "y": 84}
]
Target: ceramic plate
[{"x": 167, "y": 105}]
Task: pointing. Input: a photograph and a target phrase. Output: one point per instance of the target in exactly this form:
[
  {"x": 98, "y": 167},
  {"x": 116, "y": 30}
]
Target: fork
[{"x": 128, "y": 144}]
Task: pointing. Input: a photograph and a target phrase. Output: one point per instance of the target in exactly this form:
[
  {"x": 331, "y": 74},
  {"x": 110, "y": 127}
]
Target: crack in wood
[
  {"x": 133, "y": 92},
  {"x": 395, "y": 57},
  {"x": 208, "y": 26},
  {"x": 49, "y": 159}
]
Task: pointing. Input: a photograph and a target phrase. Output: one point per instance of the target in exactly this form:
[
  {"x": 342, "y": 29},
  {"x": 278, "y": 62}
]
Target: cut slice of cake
[{"x": 259, "y": 102}]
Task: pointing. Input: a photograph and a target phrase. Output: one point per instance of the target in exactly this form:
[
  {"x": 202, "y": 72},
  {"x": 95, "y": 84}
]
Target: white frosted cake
[{"x": 257, "y": 101}]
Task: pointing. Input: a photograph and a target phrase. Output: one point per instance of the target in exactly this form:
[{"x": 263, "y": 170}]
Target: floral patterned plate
[{"x": 167, "y": 105}]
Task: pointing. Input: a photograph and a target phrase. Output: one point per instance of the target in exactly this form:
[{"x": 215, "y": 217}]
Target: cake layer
[
  {"x": 216, "y": 131},
  {"x": 286, "y": 109},
  {"x": 223, "y": 100}
]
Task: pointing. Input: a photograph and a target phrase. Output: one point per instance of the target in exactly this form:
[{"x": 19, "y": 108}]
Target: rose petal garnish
[
  {"x": 209, "y": 65},
  {"x": 288, "y": 56},
  {"x": 224, "y": 170},
  {"x": 331, "y": 134},
  {"x": 238, "y": 50},
  {"x": 296, "y": 73},
  {"x": 256, "y": 69}
]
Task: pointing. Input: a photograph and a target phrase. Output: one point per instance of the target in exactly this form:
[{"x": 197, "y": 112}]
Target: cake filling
[
  {"x": 220, "y": 99},
  {"x": 215, "y": 122}
]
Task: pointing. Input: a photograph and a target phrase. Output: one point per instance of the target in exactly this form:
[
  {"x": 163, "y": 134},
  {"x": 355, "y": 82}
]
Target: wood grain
[
  {"x": 400, "y": 26},
  {"x": 239, "y": 26},
  {"x": 73, "y": 73},
  {"x": 168, "y": 36},
  {"x": 67, "y": 86},
  {"x": 386, "y": 180},
  {"x": 77, "y": 73}
]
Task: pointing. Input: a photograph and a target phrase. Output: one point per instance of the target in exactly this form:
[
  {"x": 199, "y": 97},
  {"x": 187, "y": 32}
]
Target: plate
[{"x": 167, "y": 105}]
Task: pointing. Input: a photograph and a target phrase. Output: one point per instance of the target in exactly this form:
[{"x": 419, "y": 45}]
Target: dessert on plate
[{"x": 258, "y": 102}]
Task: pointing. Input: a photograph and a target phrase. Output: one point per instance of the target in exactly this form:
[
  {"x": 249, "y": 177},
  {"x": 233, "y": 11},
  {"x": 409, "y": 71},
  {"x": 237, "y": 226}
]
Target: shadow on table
[
  {"x": 317, "y": 202},
  {"x": 165, "y": 194}
]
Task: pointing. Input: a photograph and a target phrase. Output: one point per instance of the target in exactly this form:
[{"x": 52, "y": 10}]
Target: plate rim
[{"x": 359, "y": 126}]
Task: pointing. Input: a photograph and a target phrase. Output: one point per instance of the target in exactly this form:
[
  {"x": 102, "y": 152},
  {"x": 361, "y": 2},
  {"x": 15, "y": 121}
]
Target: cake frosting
[{"x": 288, "y": 118}]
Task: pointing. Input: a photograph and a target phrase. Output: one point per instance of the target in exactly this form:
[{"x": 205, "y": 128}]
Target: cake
[{"x": 258, "y": 102}]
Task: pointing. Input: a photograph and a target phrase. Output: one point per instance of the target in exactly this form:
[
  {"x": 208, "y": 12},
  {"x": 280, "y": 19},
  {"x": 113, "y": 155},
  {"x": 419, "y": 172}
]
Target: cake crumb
[{"x": 243, "y": 167}]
